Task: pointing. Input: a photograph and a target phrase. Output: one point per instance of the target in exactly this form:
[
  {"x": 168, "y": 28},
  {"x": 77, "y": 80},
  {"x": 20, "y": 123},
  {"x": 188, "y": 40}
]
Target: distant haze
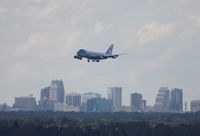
[{"x": 38, "y": 39}]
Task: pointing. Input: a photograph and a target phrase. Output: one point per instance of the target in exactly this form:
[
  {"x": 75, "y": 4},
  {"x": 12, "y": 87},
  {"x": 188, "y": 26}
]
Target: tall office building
[
  {"x": 27, "y": 103},
  {"x": 44, "y": 94},
  {"x": 115, "y": 95},
  {"x": 73, "y": 99},
  {"x": 162, "y": 100},
  {"x": 136, "y": 101},
  {"x": 176, "y": 102},
  {"x": 57, "y": 91},
  {"x": 195, "y": 106}
]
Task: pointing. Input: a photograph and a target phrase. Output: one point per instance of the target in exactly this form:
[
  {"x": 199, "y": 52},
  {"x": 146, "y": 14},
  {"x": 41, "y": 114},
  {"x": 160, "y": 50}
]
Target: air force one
[{"x": 96, "y": 56}]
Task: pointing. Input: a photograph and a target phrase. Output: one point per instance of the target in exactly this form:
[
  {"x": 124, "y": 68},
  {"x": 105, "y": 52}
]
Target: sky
[{"x": 38, "y": 39}]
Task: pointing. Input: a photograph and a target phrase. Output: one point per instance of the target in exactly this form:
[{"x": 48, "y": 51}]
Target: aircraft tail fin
[{"x": 109, "y": 51}]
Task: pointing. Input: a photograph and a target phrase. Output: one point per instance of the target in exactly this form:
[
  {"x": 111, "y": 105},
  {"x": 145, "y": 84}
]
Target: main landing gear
[{"x": 93, "y": 60}]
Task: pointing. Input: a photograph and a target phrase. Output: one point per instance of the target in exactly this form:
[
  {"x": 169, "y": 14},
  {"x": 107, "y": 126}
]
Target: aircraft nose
[{"x": 81, "y": 53}]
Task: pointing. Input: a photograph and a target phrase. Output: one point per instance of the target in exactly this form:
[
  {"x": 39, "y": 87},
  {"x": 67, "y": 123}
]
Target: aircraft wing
[
  {"x": 93, "y": 56},
  {"x": 115, "y": 55}
]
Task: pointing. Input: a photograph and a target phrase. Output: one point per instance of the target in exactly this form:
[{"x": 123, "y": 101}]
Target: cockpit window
[{"x": 82, "y": 52}]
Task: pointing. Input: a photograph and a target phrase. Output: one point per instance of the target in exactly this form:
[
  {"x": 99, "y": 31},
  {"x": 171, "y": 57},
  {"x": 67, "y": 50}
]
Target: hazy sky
[{"x": 38, "y": 39}]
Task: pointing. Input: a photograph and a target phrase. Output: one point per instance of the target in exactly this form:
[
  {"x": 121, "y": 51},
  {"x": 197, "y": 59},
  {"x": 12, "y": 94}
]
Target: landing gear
[{"x": 93, "y": 60}]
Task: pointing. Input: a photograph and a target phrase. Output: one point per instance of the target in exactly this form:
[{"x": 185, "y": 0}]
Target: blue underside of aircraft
[{"x": 96, "y": 56}]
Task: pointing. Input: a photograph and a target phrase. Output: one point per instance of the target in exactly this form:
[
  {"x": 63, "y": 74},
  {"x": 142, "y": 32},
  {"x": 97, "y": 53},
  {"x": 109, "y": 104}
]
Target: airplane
[{"x": 96, "y": 56}]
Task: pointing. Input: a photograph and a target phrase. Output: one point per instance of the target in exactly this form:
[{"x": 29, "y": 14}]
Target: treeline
[
  {"x": 100, "y": 115},
  {"x": 107, "y": 115},
  {"x": 103, "y": 127},
  {"x": 98, "y": 124}
]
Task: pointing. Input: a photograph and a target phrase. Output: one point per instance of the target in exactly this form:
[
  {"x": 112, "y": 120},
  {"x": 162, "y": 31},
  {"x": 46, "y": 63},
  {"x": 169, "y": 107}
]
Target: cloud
[
  {"x": 153, "y": 31},
  {"x": 162, "y": 60},
  {"x": 2, "y": 10},
  {"x": 65, "y": 44},
  {"x": 44, "y": 34},
  {"x": 34, "y": 41},
  {"x": 50, "y": 8},
  {"x": 98, "y": 27},
  {"x": 22, "y": 70},
  {"x": 70, "y": 38},
  {"x": 194, "y": 19},
  {"x": 48, "y": 46}
]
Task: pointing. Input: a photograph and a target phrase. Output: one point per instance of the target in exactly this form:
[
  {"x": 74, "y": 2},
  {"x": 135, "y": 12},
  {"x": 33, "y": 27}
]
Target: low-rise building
[
  {"x": 63, "y": 107},
  {"x": 26, "y": 103},
  {"x": 195, "y": 106},
  {"x": 98, "y": 105}
]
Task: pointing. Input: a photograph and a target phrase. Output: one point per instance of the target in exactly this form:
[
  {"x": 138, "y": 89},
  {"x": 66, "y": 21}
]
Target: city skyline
[
  {"x": 166, "y": 101},
  {"x": 114, "y": 94},
  {"x": 40, "y": 38},
  {"x": 124, "y": 99}
]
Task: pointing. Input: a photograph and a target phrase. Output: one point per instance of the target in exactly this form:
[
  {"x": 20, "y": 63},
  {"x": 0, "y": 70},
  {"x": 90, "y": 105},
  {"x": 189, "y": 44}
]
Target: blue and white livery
[{"x": 96, "y": 56}]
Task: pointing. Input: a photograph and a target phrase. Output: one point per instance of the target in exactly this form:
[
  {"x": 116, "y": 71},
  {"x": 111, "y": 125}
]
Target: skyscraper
[
  {"x": 136, "y": 101},
  {"x": 57, "y": 91},
  {"x": 162, "y": 100},
  {"x": 115, "y": 95},
  {"x": 176, "y": 102},
  {"x": 73, "y": 99},
  {"x": 44, "y": 94}
]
